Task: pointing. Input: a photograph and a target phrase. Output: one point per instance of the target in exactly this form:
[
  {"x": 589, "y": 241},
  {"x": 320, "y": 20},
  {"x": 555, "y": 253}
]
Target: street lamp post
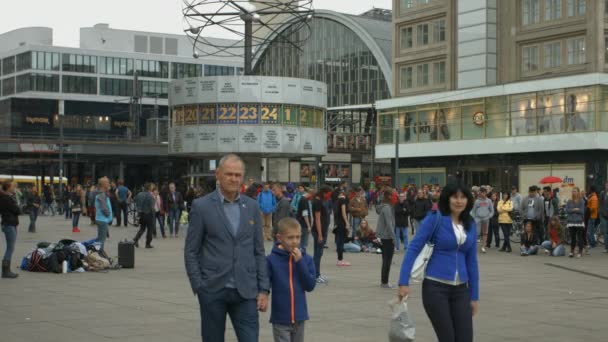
[
  {"x": 60, "y": 119},
  {"x": 396, "y": 125}
]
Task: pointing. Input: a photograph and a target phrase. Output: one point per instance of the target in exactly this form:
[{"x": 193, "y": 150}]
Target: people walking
[
  {"x": 483, "y": 210},
  {"x": 292, "y": 274},
  {"x": 357, "y": 209},
  {"x": 9, "y": 211},
  {"x": 103, "y": 211},
  {"x": 175, "y": 205},
  {"x": 603, "y": 214},
  {"x": 321, "y": 214},
  {"x": 67, "y": 192},
  {"x": 505, "y": 208},
  {"x": 225, "y": 259},
  {"x": 33, "y": 202},
  {"x": 47, "y": 205},
  {"x": 401, "y": 221},
  {"x": 304, "y": 215},
  {"x": 144, "y": 201},
  {"x": 282, "y": 211},
  {"x": 341, "y": 226},
  {"x": 385, "y": 232},
  {"x": 77, "y": 207},
  {"x": 159, "y": 212},
  {"x": 493, "y": 227},
  {"x": 422, "y": 206},
  {"x": 594, "y": 220},
  {"x": 575, "y": 212},
  {"x": 123, "y": 196},
  {"x": 267, "y": 203},
  {"x": 450, "y": 290},
  {"x": 90, "y": 198}
]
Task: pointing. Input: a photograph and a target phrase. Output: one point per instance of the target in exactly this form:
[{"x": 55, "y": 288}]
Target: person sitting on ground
[
  {"x": 554, "y": 245},
  {"x": 529, "y": 244},
  {"x": 291, "y": 273}
]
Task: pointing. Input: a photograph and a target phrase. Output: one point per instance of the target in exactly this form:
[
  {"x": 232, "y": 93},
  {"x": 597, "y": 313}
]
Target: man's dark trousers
[
  {"x": 146, "y": 225},
  {"x": 243, "y": 313}
]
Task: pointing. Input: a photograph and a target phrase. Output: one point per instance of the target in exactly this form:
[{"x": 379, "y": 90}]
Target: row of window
[
  {"x": 38, "y": 82},
  {"x": 124, "y": 87},
  {"x": 552, "y": 54},
  {"x": 424, "y": 32},
  {"x": 422, "y": 75},
  {"x": 552, "y": 9},
  {"x": 38, "y": 60}
]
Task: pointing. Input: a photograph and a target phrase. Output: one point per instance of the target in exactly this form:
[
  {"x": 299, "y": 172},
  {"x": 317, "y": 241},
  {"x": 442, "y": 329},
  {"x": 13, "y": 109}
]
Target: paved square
[{"x": 521, "y": 298}]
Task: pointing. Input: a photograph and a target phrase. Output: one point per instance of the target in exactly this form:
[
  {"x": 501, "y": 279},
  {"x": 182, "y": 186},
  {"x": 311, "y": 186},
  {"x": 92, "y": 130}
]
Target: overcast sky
[{"x": 65, "y": 17}]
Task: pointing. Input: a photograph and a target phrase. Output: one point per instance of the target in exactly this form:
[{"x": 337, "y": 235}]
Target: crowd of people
[{"x": 226, "y": 261}]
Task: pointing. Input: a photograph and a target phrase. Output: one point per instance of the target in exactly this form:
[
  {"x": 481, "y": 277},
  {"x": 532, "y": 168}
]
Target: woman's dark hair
[
  {"x": 6, "y": 185},
  {"x": 450, "y": 190},
  {"x": 508, "y": 195},
  {"x": 593, "y": 189},
  {"x": 387, "y": 197}
]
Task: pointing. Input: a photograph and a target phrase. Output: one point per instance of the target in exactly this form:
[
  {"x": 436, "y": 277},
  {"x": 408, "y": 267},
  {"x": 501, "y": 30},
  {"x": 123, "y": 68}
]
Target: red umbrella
[{"x": 550, "y": 180}]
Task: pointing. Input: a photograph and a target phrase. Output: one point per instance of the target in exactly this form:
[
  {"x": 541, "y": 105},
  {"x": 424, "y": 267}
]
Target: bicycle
[
  {"x": 517, "y": 229},
  {"x": 132, "y": 214}
]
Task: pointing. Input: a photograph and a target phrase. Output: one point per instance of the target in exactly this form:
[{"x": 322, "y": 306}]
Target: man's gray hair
[{"x": 231, "y": 157}]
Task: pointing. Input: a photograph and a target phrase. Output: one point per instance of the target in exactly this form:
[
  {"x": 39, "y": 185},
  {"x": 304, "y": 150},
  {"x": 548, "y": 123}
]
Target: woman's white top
[{"x": 461, "y": 235}]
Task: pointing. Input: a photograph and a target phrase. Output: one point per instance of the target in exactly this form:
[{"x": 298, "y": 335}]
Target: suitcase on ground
[{"x": 126, "y": 254}]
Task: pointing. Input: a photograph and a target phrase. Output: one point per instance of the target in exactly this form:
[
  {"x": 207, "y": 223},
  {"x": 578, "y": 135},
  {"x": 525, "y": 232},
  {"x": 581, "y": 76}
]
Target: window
[
  {"x": 423, "y": 2},
  {"x": 553, "y": 53},
  {"x": 8, "y": 86},
  {"x": 422, "y": 32},
  {"x": 606, "y": 50},
  {"x": 406, "y": 4},
  {"x": 8, "y": 65},
  {"x": 407, "y": 77},
  {"x": 553, "y": 9},
  {"x": 439, "y": 31},
  {"x": 45, "y": 60},
  {"x": 79, "y": 63},
  {"x": 576, "y": 7},
  {"x": 79, "y": 84},
  {"x": 407, "y": 37},
  {"x": 576, "y": 51},
  {"x": 38, "y": 82},
  {"x": 439, "y": 73},
  {"x": 530, "y": 12},
  {"x": 141, "y": 44},
  {"x": 156, "y": 69},
  {"x": 24, "y": 61},
  {"x": 530, "y": 58},
  {"x": 219, "y": 70},
  {"x": 183, "y": 70},
  {"x": 422, "y": 75},
  {"x": 115, "y": 87}
]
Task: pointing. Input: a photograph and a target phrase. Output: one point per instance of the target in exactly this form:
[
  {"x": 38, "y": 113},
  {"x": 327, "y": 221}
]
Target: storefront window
[
  {"x": 497, "y": 117},
  {"x": 408, "y": 121},
  {"x": 385, "y": 128},
  {"x": 523, "y": 114},
  {"x": 603, "y": 110},
  {"x": 473, "y": 120},
  {"x": 550, "y": 111},
  {"x": 425, "y": 125},
  {"x": 580, "y": 110}
]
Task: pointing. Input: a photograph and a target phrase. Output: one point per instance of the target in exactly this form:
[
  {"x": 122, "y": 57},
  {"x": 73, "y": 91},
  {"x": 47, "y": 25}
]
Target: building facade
[
  {"x": 521, "y": 95},
  {"x": 352, "y": 55},
  {"x": 110, "y": 94}
]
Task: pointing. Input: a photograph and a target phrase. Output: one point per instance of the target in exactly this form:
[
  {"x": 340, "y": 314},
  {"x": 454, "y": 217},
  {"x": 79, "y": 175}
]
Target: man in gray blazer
[{"x": 225, "y": 258}]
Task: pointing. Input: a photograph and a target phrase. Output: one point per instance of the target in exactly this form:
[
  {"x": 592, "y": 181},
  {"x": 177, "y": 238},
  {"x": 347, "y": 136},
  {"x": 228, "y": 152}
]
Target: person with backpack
[
  {"x": 268, "y": 204},
  {"x": 9, "y": 210}
]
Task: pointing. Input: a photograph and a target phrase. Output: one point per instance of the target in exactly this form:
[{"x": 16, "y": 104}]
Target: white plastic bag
[{"x": 402, "y": 327}]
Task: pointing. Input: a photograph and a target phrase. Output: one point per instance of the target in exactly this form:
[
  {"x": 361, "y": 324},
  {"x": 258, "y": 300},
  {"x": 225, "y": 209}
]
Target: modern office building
[
  {"x": 498, "y": 92},
  {"x": 111, "y": 93},
  {"x": 352, "y": 55}
]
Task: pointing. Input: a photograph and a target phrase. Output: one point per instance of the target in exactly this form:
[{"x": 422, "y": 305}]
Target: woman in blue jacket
[{"x": 450, "y": 290}]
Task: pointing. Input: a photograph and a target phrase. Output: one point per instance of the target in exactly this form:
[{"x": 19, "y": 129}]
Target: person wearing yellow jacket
[
  {"x": 504, "y": 208},
  {"x": 593, "y": 205}
]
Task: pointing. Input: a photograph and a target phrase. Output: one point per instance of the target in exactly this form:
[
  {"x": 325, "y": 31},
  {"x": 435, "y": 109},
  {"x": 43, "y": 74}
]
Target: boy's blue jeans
[{"x": 403, "y": 232}]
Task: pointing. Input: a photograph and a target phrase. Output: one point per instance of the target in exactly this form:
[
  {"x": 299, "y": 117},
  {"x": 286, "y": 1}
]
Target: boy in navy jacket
[{"x": 292, "y": 274}]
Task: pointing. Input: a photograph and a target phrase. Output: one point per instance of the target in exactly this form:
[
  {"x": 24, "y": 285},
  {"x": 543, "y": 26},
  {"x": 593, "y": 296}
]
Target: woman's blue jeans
[{"x": 10, "y": 233}]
